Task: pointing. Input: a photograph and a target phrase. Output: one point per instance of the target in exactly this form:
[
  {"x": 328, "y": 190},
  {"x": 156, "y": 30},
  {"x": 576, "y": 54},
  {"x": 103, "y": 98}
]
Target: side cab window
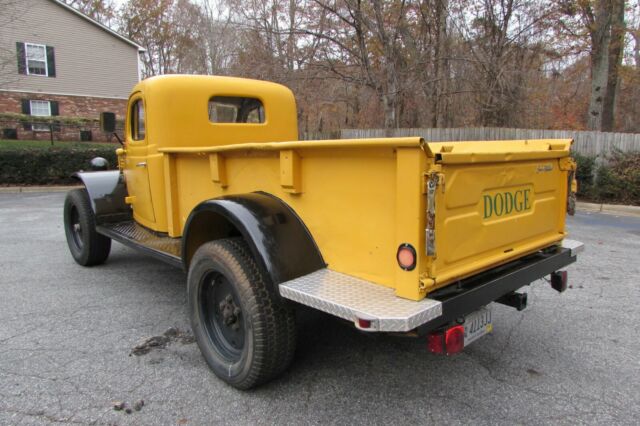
[{"x": 137, "y": 126}]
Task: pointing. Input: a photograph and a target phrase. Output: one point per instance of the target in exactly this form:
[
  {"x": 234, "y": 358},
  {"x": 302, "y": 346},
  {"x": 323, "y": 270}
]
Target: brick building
[{"x": 59, "y": 62}]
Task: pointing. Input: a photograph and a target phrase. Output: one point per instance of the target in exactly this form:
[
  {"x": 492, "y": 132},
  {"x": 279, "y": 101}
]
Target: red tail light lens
[
  {"x": 454, "y": 339},
  {"x": 435, "y": 343},
  {"x": 449, "y": 341},
  {"x": 406, "y": 257},
  {"x": 363, "y": 323}
]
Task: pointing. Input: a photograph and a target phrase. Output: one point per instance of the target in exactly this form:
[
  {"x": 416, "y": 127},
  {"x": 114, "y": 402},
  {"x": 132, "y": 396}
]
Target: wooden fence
[{"x": 594, "y": 144}]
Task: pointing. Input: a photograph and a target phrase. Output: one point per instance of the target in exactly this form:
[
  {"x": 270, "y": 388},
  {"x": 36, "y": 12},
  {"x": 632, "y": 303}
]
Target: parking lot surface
[{"x": 67, "y": 335}]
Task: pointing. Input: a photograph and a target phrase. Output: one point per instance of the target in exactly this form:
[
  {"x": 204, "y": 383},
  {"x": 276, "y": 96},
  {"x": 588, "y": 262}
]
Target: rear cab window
[{"x": 232, "y": 109}]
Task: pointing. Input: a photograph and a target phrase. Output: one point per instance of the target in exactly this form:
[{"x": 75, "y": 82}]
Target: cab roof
[{"x": 177, "y": 111}]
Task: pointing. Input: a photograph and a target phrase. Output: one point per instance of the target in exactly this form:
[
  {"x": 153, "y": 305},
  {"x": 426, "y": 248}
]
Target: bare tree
[
  {"x": 220, "y": 36},
  {"x": 103, "y": 11},
  {"x": 428, "y": 43},
  {"x": 394, "y": 63},
  {"x": 365, "y": 36},
  {"x": 503, "y": 41},
  {"x": 149, "y": 23},
  {"x": 601, "y": 22}
]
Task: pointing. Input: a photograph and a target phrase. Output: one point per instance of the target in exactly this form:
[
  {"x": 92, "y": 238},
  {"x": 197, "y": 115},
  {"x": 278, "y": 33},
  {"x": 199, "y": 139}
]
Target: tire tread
[
  {"x": 96, "y": 249},
  {"x": 273, "y": 323}
]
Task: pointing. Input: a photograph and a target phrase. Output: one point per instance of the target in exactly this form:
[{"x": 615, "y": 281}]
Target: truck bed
[{"x": 361, "y": 199}]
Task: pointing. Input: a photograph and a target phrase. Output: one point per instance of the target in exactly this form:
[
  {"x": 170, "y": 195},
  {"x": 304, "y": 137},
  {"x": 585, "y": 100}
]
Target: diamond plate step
[
  {"x": 352, "y": 299},
  {"x": 140, "y": 238}
]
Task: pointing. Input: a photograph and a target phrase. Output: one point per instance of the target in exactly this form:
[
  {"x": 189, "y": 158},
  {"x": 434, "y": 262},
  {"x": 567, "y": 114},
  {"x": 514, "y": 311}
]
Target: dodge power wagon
[{"x": 393, "y": 235}]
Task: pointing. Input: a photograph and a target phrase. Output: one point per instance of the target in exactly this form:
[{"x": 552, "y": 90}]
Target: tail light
[
  {"x": 406, "y": 257},
  {"x": 449, "y": 341},
  {"x": 435, "y": 343}
]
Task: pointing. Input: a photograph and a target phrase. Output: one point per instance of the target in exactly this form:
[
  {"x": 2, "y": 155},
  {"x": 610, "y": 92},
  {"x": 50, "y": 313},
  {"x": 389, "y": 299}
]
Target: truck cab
[
  {"x": 395, "y": 235},
  {"x": 174, "y": 111}
]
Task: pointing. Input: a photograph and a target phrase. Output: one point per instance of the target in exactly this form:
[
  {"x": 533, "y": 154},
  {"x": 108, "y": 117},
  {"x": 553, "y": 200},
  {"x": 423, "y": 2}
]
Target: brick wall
[
  {"x": 60, "y": 132},
  {"x": 69, "y": 106}
]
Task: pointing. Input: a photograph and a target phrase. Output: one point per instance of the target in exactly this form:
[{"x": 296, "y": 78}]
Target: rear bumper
[
  {"x": 466, "y": 296},
  {"x": 356, "y": 300}
]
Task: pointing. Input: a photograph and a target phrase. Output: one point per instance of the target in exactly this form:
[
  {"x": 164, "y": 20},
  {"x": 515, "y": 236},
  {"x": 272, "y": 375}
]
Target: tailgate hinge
[{"x": 433, "y": 179}]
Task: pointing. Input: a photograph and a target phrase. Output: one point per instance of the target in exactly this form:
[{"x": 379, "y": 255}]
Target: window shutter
[
  {"x": 22, "y": 58},
  {"x": 51, "y": 61},
  {"x": 54, "y": 108},
  {"x": 26, "y": 107}
]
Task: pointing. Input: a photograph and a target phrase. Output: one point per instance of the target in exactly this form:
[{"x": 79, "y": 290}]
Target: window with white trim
[
  {"x": 36, "y": 56},
  {"x": 40, "y": 109}
]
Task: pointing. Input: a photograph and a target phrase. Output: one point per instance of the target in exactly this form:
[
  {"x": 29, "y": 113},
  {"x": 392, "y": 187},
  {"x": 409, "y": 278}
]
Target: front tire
[
  {"x": 87, "y": 247},
  {"x": 246, "y": 336}
]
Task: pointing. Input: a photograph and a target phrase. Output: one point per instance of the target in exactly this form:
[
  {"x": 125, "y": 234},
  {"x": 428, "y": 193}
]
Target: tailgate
[{"x": 495, "y": 201}]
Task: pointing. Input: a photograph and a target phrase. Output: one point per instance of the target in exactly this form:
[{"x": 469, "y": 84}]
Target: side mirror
[{"x": 108, "y": 122}]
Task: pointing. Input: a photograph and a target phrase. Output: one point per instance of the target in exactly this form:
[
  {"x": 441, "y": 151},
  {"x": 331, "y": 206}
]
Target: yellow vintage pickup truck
[{"x": 394, "y": 235}]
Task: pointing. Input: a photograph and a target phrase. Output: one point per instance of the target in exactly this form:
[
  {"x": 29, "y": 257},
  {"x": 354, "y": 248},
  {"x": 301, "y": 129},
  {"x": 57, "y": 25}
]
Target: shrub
[
  {"x": 52, "y": 166},
  {"x": 619, "y": 180},
  {"x": 584, "y": 174}
]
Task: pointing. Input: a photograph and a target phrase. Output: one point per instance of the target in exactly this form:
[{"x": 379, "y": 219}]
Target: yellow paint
[
  {"x": 290, "y": 171},
  {"x": 359, "y": 198},
  {"x": 410, "y": 218},
  {"x": 218, "y": 169}
]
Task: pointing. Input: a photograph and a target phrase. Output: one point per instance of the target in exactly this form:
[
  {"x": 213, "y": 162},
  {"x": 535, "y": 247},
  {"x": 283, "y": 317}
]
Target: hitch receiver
[
  {"x": 515, "y": 300},
  {"x": 559, "y": 281}
]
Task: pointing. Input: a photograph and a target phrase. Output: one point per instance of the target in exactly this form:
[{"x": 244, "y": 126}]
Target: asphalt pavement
[{"x": 67, "y": 335}]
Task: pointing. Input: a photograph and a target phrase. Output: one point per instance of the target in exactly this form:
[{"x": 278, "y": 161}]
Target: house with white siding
[{"x": 64, "y": 64}]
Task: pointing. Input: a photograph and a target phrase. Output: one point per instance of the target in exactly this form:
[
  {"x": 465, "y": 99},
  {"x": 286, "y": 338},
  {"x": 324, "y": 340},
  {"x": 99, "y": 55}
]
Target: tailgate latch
[{"x": 569, "y": 165}]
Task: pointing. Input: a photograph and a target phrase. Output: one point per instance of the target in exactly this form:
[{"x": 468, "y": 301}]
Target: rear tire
[
  {"x": 246, "y": 336},
  {"x": 87, "y": 247}
]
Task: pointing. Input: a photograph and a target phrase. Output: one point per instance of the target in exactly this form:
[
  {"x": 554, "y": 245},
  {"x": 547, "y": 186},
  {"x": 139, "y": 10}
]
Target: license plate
[{"x": 477, "y": 324}]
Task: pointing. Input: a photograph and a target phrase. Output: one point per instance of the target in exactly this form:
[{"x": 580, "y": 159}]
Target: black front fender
[
  {"x": 107, "y": 192},
  {"x": 279, "y": 241}
]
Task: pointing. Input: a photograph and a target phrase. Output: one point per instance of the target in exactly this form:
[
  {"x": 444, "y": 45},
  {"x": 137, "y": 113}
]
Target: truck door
[{"x": 136, "y": 172}]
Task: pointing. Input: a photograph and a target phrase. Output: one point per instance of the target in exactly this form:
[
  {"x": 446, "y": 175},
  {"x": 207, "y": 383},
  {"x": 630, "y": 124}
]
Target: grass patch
[{"x": 32, "y": 145}]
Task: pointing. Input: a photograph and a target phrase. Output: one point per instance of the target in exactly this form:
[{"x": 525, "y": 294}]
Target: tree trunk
[
  {"x": 607, "y": 45},
  {"x": 291, "y": 43},
  {"x": 389, "y": 98},
  {"x": 390, "y": 92},
  {"x": 616, "y": 48},
  {"x": 439, "y": 106},
  {"x": 636, "y": 48}
]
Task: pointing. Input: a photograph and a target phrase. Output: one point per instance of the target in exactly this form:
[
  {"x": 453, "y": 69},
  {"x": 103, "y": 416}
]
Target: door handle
[{"x": 141, "y": 164}]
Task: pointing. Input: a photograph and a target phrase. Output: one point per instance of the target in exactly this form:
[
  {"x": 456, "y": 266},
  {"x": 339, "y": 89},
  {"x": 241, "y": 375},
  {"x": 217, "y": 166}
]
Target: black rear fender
[{"x": 278, "y": 239}]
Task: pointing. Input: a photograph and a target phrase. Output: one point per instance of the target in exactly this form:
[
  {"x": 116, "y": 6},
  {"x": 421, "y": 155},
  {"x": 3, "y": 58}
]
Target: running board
[
  {"x": 136, "y": 236},
  {"x": 371, "y": 307}
]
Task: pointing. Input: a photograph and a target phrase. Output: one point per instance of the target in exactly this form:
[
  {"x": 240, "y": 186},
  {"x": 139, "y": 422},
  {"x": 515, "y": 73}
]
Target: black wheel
[
  {"x": 246, "y": 336},
  {"x": 86, "y": 245}
]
